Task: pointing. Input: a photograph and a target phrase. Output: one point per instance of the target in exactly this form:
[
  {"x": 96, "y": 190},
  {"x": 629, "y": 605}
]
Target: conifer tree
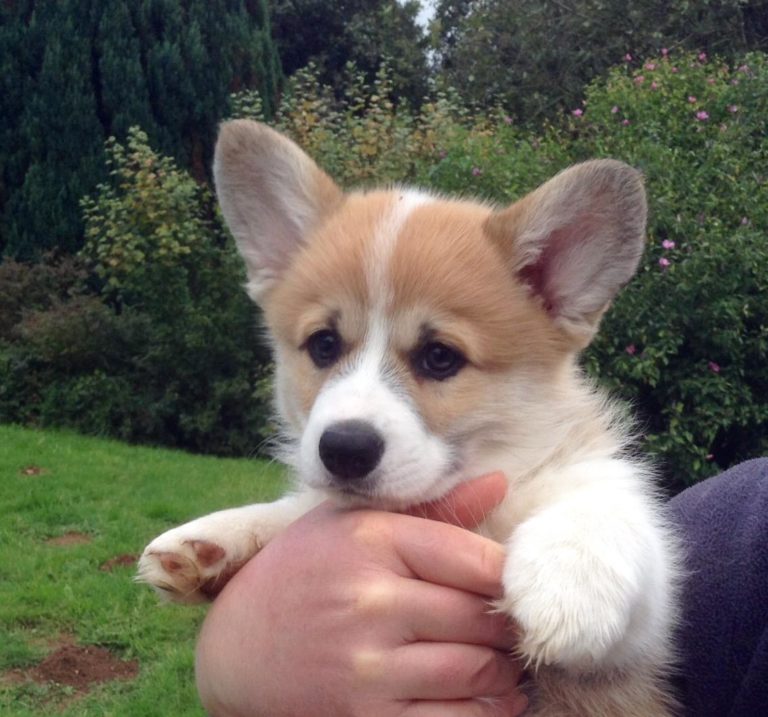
[{"x": 74, "y": 72}]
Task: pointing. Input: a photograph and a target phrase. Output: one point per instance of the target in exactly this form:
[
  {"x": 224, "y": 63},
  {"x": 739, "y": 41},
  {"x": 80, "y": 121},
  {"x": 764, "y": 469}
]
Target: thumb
[{"x": 468, "y": 504}]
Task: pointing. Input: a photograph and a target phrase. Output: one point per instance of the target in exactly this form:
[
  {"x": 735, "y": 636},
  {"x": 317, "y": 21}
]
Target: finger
[
  {"x": 512, "y": 706},
  {"x": 450, "y": 556},
  {"x": 450, "y": 671},
  {"x": 435, "y": 613},
  {"x": 468, "y": 504}
]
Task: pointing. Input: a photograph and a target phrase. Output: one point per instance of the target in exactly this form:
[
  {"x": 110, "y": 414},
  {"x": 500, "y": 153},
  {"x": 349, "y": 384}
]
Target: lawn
[{"x": 74, "y": 513}]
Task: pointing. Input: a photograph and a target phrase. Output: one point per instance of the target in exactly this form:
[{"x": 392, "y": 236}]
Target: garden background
[{"x": 121, "y": 308}]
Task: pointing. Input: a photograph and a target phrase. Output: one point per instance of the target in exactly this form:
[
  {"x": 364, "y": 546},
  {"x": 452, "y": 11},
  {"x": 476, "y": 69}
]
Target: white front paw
[
  {"x": 193, "y": 562},
  {"x": 571, "y": 596}
]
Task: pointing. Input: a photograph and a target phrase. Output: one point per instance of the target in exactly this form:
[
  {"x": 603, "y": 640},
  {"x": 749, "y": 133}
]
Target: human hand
[{"x": 352, "y": 613}]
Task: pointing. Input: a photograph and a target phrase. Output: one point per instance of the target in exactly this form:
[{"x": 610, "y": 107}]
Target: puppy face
[
  {"x": 416, "y": 336},
  {"x": 395, "y": 329}
]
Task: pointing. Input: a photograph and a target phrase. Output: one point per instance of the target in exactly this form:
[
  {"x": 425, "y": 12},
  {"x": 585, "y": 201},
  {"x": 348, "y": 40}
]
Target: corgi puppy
[{"x": 420, "y": 341}]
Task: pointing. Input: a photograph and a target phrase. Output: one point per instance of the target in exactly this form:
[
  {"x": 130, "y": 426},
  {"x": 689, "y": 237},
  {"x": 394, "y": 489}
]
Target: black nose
[{"x": 351, "y": 449}]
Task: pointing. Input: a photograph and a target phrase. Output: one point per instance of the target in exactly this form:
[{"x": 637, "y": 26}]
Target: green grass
[{"x": 121, "y": 497}]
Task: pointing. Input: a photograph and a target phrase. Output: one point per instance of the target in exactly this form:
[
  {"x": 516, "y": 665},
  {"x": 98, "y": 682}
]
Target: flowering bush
[
  {"x": 687, "y": 341},
  {"x": 155, "y": 344}
]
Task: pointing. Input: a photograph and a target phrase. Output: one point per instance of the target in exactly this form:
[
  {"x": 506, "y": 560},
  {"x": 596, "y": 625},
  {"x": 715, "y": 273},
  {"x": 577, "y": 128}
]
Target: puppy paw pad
[
  {"x": 172, "y": 563},
  {"x": 206, "y": 552}
]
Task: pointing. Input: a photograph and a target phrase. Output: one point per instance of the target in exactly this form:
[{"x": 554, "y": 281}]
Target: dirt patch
[
  {"x": 32, "y": 470},
  {"x": 79, "y": 667},
  {"x": 71, "y": 538},
  {"x": 119, "y": 561},
  {"x": 74, "y": 667}
]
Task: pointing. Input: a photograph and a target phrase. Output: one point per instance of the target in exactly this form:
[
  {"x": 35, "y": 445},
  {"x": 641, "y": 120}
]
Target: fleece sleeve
[{"x": 723, "y": 635}]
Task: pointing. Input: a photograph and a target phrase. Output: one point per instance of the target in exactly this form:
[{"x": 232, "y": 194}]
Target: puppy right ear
[{"x": 272, "y": 196}]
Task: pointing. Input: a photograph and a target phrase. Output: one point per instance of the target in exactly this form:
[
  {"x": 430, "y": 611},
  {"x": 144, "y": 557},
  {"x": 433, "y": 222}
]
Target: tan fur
[{"x": 638, "y": 694}]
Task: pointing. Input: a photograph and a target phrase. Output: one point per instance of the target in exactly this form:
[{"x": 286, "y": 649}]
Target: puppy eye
[
  {"x": 438, "y": 361},
  {"x": 324, "y": 347}
]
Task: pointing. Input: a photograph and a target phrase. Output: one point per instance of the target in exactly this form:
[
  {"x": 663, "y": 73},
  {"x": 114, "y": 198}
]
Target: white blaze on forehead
[
  {"x": 383, "y": 243},
  {"x": 377, "y": 275}
]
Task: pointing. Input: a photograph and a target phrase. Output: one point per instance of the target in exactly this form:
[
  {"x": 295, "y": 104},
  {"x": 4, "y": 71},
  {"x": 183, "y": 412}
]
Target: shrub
[
  {"x": 25, "y": 287},
  {"x": 155, "y": 238},
  {"x": 159, "y": 343},
  {"x": 687, "y": 342},
  {"x": 363, "y": 137}
]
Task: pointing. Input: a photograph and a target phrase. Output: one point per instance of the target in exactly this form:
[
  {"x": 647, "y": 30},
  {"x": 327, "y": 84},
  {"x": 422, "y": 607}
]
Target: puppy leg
[
  {"x": 193, "y": 562},
  {"x": 636, "y": 693},
  {"x": 590, "y": 576}
]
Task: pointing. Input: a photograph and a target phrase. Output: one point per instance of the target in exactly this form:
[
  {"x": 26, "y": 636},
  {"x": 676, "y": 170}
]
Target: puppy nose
[{"x": 351, "y": 449}]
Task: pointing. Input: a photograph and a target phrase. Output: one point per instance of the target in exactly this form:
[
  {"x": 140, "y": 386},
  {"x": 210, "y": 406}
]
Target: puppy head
[{"x": 415, "y": 336}]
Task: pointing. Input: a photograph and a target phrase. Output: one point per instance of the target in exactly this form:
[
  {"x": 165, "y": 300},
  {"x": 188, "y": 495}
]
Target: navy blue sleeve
[{"x": 723, "y": 636}]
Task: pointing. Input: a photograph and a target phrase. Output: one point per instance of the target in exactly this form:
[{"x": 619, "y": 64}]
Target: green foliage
[
  {"x": 496, "y": 51},
  {"x": 74, "y": 73},
  {"x": 159, "y": 344},
  {"x": 143, "y": 225},
  {"x": 688, "y": 341},
  {"x": 50, "y": 155},
  {"x": 363, "y": 136},
  {"x": 366, "y": 33}
]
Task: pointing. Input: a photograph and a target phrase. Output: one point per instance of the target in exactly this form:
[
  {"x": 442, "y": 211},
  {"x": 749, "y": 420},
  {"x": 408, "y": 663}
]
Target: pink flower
[
  {"x": 702, "y": 57},
  {"x": 639, "y": 80},
  {"x": 734, "y": 82},
  {"x": 507, "y": 120},
  {"x": 702, "y": 116},
  {"x": 743, "y": 68},
  {"x": 733, "y": 108},
  {"x": 654, "y": 85},
  {"x": 577, "y": 112},
  {"x": 744, "y": 221},
  {"x": 476, "y": 171},
  {"x": 627, "y": 58},
  {"x": 664, "y": 262},
  {"x": 668, "y": 244},
  {"x": 614, "y": 109},
  {"x": 692, "y": 99},
  {"x": 674, "y": 70},
  {"x": 713, "y": 367},
  {"x": 631, "y": 349},
  {"x": 626, "y": 122},
  {"x": 664, "y": 51},
  {"x": 650, "y": 66}
]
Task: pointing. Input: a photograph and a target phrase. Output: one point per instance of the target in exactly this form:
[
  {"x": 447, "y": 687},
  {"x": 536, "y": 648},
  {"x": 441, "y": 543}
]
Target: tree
[
  {"x": 75, "y": 72},
  {"x": 535, "y": 56},
  {"x": 365, "y": 32},
  {"x": 55, "y": 143}
]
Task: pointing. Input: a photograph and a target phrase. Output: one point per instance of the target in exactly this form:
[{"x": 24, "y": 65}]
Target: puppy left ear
[{"x": 575, "y": 241}]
